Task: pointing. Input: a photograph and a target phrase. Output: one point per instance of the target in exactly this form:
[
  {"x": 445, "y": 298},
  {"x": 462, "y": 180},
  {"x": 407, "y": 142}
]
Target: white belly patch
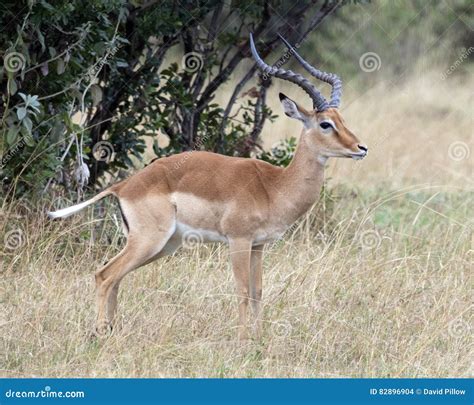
[{"x": 193, "y": 236}]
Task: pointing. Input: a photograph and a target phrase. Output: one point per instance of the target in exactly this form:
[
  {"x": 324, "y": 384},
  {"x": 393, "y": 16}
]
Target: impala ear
[{"x": 293, "y": 110}]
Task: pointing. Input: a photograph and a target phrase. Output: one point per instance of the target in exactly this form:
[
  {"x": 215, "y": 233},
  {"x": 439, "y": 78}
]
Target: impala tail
[{"x": 65, "y": 212}]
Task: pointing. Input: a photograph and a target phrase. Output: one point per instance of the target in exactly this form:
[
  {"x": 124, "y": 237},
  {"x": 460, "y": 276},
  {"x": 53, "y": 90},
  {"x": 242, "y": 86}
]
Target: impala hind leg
[
  {"x": 142, "y": 245},
  {"x": 256, "y": 272},
  {"x": 240, "y": 258},
  {"x": 170, "y": 247},
  {"x": 134, "y": 255}
]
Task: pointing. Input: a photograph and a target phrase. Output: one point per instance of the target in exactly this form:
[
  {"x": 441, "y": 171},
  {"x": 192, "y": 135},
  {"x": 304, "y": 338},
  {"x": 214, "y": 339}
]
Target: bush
[{"x": 84, "y": 87}]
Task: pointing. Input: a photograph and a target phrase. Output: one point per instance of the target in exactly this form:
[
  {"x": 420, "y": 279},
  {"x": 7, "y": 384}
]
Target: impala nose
[{"x": 363, "y": 147}]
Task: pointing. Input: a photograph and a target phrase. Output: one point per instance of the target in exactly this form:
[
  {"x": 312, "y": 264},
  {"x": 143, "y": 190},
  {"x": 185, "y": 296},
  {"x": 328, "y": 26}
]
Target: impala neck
[{"x": 301, "y": 181}]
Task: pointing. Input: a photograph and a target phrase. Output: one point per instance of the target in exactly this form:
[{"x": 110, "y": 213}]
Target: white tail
[{"x": 65, "y": 212}]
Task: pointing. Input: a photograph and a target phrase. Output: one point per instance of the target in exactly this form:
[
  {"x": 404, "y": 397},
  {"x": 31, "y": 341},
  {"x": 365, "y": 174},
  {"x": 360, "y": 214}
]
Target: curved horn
[
  {"x": 330, "y": 78},
  {"x": 319, "y": 102}
]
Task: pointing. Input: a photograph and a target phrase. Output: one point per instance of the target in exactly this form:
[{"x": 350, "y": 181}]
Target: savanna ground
[{"x": 375, "y": 282}]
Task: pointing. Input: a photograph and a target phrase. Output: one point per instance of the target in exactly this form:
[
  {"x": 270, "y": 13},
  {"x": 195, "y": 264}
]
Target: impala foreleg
[
  {"x": 256, "y": 272},
  {"x": 240, "y": 257}
]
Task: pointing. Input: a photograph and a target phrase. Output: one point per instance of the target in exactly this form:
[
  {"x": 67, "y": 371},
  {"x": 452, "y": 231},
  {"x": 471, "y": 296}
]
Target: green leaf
[
  {"x": 60, "y": 66},
  {"x": 57, "y": 131},
  {"x": 100, "y": 48},
  {"x": 41, "y": 39},
  {"x": 35, "y": 106},
  {"x": 28, "y": 124},
  {"x": 21, "y": 113},
  {"x": 156, "y": 148},
  {"x": 48, "y": 6},
  {"x": 29, "y": 140},
  {"x": 44, "y": 69},
  {"x": 12, "y": 135},
  {"x": 96, "y": 93},
  {"x": 26, "y": 134},
  {"x": 12, "y": 86},
  {"x": 121, "y": 64},
  {"x": 76, "y": 128}
]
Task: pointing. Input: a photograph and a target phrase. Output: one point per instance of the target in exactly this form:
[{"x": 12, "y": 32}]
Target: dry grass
[{"x": 376, "y": 283}]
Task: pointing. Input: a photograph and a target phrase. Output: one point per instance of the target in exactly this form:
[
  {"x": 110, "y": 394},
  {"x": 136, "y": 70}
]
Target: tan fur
[{"x": 245, "y": 202}]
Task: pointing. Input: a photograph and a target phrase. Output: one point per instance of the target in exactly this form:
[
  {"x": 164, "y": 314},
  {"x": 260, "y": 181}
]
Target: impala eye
[{"x": 325, "y": 125}]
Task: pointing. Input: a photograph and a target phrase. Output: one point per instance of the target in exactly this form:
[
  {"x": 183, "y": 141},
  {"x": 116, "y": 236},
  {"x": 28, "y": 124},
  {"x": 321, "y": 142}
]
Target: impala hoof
[{"x": 103, "y": 329}]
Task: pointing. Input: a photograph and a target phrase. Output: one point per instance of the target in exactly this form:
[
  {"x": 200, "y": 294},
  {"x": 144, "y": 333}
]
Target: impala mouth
[
  {"x": 345, "y": 154},
  {"x": 357, "y": 156}
]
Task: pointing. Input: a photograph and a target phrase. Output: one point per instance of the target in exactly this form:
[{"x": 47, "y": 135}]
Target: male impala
[{"x": 243, "y": 202}]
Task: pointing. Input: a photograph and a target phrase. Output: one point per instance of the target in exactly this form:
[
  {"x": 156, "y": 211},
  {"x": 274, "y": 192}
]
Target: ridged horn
[
  {"x": 319, "y": 102},
  {"x": 330, "y": 78}
]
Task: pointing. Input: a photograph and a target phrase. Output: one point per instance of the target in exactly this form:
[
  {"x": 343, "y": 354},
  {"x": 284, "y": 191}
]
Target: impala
[{"x": 240, "y": 201}]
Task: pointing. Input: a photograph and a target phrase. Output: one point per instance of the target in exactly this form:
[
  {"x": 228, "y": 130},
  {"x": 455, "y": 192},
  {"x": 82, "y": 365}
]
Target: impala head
[
  {"x": 325, "y": 132},
  {"x": 324, "y": 128}
]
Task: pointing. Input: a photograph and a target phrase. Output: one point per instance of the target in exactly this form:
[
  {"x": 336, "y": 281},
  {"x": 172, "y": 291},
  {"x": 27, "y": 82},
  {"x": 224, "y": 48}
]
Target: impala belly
[
  {"x": 196, "y": 212},
  {"x": 199, "y": 220}
]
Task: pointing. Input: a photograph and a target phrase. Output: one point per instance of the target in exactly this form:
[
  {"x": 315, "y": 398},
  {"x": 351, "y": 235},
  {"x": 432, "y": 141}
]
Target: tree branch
[{"x": 242, "y": 52}]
